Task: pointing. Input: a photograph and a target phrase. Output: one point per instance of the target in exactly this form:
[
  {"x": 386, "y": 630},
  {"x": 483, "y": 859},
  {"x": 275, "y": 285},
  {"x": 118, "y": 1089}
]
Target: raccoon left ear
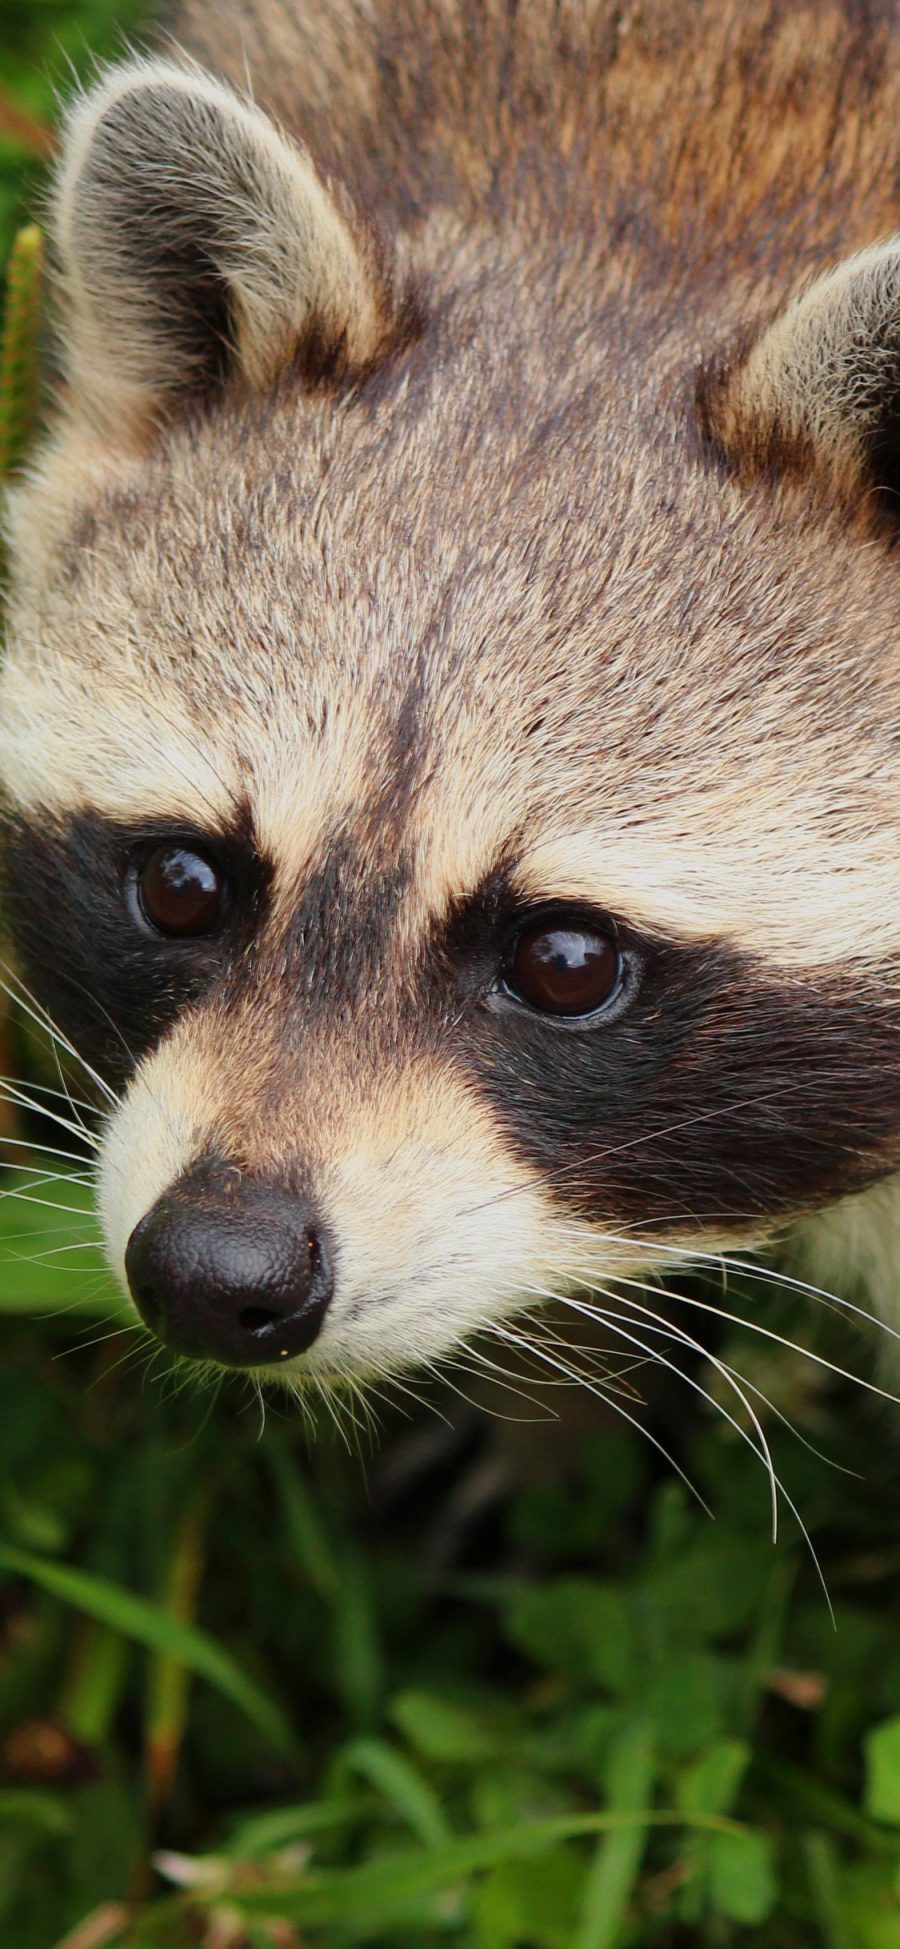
[
  {"x": 193, "y": 238},
  {"x": 822, "y": 383}
]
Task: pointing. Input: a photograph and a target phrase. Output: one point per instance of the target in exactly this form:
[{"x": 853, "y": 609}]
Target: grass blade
[
  {"x": 401, "y": 1784},
  {"x": 168, "y": 1680},
  {"x": 150, "y": 1625},
  {"x": 614, "y": 1871},
  {"x": 341, "y": 1895},
  {"x": 19, "y": 347},
  {"x": 31, "y": 1807}
]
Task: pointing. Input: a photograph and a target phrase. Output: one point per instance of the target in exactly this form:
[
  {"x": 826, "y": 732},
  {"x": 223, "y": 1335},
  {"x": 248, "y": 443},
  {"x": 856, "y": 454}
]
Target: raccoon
[{"x": 450, "y": 711}]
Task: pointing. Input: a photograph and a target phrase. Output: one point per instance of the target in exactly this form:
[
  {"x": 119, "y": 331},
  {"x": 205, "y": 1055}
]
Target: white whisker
[
  {"x": 690, "y": 1258},
  {"x": 686, "y": 1340},
  {"x": 505, "y": 1333},
  {"x": 23, "y": 998},
  {"x": 47, "y": 1089},
  {"x": 21, "y": 1100},
  {"x": 668, "y": 1331}
]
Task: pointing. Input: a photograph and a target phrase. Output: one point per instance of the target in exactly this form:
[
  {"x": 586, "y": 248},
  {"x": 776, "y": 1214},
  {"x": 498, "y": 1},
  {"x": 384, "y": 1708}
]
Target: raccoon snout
[{"x": 230, "y": 1269}]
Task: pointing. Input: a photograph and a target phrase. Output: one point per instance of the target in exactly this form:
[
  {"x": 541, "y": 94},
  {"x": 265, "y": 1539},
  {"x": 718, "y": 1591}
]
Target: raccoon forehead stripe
[{"x": 792, "y": 898}]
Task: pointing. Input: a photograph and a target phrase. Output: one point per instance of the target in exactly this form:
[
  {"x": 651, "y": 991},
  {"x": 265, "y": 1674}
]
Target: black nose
[{"x": 230, "y": 1268}]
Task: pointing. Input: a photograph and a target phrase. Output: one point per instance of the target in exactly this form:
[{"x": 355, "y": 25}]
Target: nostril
[{"x": 256, "y": 1319}]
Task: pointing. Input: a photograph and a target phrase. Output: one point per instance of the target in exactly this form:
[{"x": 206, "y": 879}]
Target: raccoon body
[{"x": 450, "y": 715}]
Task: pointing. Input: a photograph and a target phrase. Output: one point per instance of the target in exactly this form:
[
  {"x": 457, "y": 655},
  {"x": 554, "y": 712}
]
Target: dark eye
[
  {"x": 182, "y": 892},
  {"x": 563, "y": 967}
]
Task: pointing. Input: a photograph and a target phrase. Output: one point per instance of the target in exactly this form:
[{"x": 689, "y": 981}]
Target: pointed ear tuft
[
  {"x": 821, "y": 386},
  {"x": 193, "y": 238}
]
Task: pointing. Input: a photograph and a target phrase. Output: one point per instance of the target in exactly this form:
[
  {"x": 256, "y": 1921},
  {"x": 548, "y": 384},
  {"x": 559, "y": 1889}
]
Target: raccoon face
[{"x": 452, "y": 791}]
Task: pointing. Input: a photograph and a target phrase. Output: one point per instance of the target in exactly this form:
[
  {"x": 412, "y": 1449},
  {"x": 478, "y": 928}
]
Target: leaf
[
  {"x": 711, "y": 1784},
  {"x": 742, "y": 1881},
  {"x": 881, "y": 1748},
  {"x": 442, "y": 1730},
  {"x": 578, "y": 1626},
  {"x": 709, "y": 1591},
  {"x": 692, "y": 1701},
  {"x": 529, "y": 1901},
  {"x": 869, "y": 1907},
  {"x": 150, "y": 1625}
]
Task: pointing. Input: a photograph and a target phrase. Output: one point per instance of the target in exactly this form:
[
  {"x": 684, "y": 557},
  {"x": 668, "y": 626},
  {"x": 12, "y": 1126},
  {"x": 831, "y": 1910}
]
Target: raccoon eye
[
  {"x": 563, "y": 968},
  {"x": 181, "y": 892}
]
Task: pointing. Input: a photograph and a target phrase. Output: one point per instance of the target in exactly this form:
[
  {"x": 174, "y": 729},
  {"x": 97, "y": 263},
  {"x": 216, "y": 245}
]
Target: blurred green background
[{"x": 490, "y": 1679}]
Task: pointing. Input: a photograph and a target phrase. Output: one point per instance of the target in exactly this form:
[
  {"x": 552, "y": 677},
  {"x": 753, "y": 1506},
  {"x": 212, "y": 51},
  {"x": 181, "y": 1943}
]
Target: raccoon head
[{"x": 449, "y": 750}]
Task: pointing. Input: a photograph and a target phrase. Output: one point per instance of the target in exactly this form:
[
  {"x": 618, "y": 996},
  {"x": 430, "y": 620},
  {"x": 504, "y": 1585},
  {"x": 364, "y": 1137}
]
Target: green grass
[{"x": 485, "y": 1684}]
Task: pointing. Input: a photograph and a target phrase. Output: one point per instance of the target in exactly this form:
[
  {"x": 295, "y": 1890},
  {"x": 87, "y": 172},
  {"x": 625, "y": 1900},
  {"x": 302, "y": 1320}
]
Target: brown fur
[{"x": 553, "y": 585}]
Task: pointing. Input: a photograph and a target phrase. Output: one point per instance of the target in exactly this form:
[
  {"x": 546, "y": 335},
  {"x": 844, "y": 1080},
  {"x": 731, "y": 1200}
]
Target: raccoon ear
[
  {"x": 192, "y": 238},
  {"x": 822, "y": 383}
]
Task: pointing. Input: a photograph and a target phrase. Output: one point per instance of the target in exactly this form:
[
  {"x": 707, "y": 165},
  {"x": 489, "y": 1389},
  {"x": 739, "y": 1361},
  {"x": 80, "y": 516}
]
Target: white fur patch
[
  {"x": 854, "y": 1250},
  {"x": 822, "y": 905}
]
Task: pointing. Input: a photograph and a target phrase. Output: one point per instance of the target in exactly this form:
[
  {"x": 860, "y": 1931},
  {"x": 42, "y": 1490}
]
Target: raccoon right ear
[
  {"x": 193, "y": 238},
  {"x": 821, "y": 385}
]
